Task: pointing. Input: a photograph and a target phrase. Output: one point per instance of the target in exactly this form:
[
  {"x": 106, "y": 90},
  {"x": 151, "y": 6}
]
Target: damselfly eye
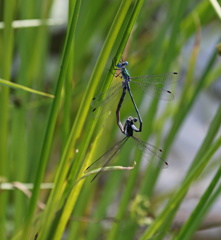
[{"x": 119, "y": 65}]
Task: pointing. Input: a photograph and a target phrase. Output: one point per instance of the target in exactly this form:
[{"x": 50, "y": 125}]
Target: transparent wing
[
  {"x": 150, "y": 150},
  {"x": 155, "y": 79},
  {"x": 155, "y": 91},
  {"x": 103, "y": 100},
  {"x": 105, "y": 159},
  {"x": 104, "y": 97}
]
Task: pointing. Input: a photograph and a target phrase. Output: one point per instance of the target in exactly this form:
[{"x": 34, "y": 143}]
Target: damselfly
[
  {"x": 128, "y": 129},
  {"x": 151, "y": 84}
]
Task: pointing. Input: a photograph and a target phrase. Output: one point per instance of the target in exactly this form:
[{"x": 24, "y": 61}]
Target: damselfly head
[
  {"x": 131, "y": 120},
  {"x": 122, "y": 64},
  {"x": 125, "y": 63},
  {"x": 135, "y": 120}
]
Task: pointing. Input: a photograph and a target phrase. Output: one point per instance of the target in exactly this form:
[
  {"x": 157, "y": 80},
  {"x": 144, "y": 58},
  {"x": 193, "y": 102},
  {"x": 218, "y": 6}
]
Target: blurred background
[{"x": 167, "y": 37}]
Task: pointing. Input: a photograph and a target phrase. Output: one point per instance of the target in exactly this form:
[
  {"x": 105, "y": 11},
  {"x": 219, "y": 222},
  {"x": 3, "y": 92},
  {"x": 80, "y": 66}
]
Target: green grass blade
[
  {"x": 164, "y": 219},
  {"x": 82, "y": 116},
  {"x": 74, "y": 194},
  {"x": 182, "y": 113},
  {"x": 216, "y": 7},
  {"x": 170, "y": 54},
  {"x": 27, "y": 89},
  {"x": 51, "y": 124},
  {"x": 129, "y": 188},
  {"x": 68, "y": 88},
  {"x": 5, "y": 68},
  {"x": 202, "y": 158},
  {"x": 199, "y": 212}
]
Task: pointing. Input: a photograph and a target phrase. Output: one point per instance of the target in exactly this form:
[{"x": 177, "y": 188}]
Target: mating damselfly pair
[{"x": 153, "y": 85}]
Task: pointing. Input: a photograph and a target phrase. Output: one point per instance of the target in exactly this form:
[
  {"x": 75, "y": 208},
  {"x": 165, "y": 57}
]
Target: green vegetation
[{"x": 47, "y": 82}]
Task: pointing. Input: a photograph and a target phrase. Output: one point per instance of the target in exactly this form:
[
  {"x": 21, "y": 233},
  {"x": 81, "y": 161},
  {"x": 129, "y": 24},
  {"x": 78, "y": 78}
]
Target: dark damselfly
[{"x": 128, "y": 129}]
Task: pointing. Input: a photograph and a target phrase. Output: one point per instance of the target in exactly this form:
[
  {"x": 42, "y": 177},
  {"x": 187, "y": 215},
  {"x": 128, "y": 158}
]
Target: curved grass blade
[
  {"x": 106, "y": 169},
  {"x": 21, "y": 87}
]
